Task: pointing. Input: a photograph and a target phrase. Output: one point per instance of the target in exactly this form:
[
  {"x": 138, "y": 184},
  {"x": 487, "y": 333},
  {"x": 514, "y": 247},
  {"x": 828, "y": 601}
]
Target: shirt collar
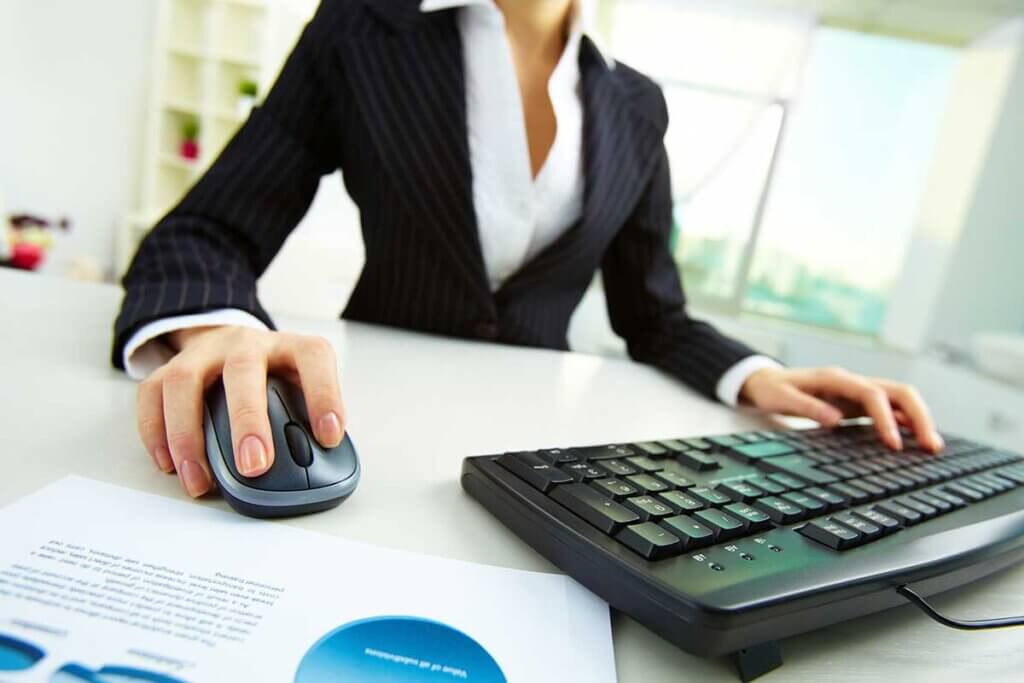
[{"x": 582, "y": 23}]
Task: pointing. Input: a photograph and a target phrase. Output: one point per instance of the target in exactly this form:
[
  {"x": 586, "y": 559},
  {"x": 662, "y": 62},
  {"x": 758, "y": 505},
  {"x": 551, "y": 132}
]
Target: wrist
[{"x": 752, "y": 387}]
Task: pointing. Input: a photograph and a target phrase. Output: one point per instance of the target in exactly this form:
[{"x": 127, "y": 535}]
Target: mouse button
[
  {"x": 298, "y": 445},
  {"x": 291, "y": 399},
  {"x": 333, "y": 465}
]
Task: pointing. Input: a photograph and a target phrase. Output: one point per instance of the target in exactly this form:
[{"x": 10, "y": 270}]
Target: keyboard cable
[{"x": 962, "y": 624}]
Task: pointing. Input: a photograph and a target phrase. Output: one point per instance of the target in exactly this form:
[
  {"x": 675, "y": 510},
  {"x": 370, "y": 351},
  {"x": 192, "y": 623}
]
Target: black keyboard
[{"x": 725, "y": 544}]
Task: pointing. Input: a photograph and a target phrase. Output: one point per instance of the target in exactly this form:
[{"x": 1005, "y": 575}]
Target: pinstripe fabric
[{"x": 376, "y": 88}]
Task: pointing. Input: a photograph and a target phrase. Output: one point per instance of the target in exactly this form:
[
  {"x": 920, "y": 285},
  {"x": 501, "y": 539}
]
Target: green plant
[
  {"x": 190, "y": 129},
  {"x": 248, "y": 87}
]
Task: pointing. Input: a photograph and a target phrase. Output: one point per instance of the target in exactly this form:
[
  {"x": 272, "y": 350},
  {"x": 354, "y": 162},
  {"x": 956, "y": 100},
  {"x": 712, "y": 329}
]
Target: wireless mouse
[{"x": 305, "y": 476}]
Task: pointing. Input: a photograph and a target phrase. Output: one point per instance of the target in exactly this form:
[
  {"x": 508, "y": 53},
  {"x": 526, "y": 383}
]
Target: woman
[{"x": 499, "y": 158}]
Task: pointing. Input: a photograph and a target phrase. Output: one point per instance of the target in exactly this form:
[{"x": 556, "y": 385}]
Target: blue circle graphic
[{"x": 397, "y": 649}]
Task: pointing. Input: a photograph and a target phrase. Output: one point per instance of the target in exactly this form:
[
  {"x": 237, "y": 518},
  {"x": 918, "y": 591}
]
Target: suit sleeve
[
  {"x": 645, "y": 298},
  {"x": 208, "y": 252}
]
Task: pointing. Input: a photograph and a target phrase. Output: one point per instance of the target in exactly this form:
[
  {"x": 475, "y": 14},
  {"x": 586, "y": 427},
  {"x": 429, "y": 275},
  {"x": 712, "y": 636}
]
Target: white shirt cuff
[
  {"x": 731, "y": 383},
  {"x": 144, "y": 352}
]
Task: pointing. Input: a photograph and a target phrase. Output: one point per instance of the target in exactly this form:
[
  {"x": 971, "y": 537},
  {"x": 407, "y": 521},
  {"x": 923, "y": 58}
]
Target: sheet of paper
[{"x": 98, "y": 583}]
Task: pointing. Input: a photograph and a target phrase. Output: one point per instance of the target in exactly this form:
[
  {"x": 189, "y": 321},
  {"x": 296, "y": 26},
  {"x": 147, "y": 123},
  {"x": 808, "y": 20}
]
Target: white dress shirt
[{"x": 518, "y": 215}]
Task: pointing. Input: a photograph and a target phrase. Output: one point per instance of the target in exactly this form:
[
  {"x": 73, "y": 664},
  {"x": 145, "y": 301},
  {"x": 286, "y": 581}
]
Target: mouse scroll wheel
[{"x": 298, "y": 444}]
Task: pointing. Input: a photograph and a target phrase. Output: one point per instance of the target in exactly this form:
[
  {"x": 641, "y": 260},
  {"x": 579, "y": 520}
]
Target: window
[{"x": 792, "y": 202}]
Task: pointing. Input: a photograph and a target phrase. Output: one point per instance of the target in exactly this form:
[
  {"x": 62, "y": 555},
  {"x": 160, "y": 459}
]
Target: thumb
[{"x": 789, "y": 400}]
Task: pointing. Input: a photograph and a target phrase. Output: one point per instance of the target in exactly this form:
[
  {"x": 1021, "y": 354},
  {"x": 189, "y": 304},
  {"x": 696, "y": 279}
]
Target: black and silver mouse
[{"x": 304, "y": 478}]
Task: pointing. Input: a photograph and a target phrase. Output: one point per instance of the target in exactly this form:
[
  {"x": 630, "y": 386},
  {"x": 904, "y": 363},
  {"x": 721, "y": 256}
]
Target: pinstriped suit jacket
[{"x": 376, "y": 88}]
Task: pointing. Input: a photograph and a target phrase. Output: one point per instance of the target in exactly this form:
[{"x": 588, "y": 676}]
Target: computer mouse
[{"x": 305, "y": 476}]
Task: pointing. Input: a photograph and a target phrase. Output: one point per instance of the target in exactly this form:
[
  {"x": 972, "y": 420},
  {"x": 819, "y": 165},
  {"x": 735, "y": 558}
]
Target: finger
[
  {"x": 183, "y": 411},
  {"x": 314, "y": 359},
  {"x": 245, "y": 385},
  {"x": 910, "y": 402},
  {"x": 870, "y": 395},
  {"x": 792, "y": 401},
  {"x": 150, "y": 416}
]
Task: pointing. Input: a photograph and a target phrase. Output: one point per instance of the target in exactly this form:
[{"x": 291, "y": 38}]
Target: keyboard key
[
  {"x": 762, "y": 449},
  {"x": 674, "y": 480},
  {"x": 839, "y": 471},
  {"x": 650, "y": 541},
  {"x": 1000, "y": 485},
  {"x": 534, "y": 471},
  {"x": 814, "y": 506},
  {"x": 709, "y": 496},
  {"x": 584, "y": 471},
  {"x": 890, "y": 487},
  {"x": 851, "y": 494},
  {"x": 675, "y": 445},
  {"x": 723, "y": 525},
  {"x": 615, "y": 488},
  {"x": 927, "y": 511},
  {"x": 644, "y": 463},
  {"x": 603, "y": 452},
  {"x": 647, "y": 483},
  {"x": 648, "y": 507},
  {"x": 957, "y": 489},
  {"x": 585, "y": 502},
  {"x": 943, "y": 506},
  {"x": 652, "y": 448},
  {"x": 956, "y": 501},
  {"x": 740, "y": 491},
  {"x": 901, "y": 482},
  {"x": 867, "y": 530},
  {"x": 697, "y": 460},
  {"x": 752, "y": 519},
  {"x": 858, "y": 469},
  {"x": 830, "y": 499},
  {"x": 781, "y": 511},
  {"x": 904, "y": 515},
  {"x": 872, "y": 490},
  {"x": 981, "y": 486},
  {"x": 767, "y": 485},
  {"x": 786, "y": 481},
  {"x": 799, "y": 466},
  {"x": 556, "y": 456},
  {"x": 618, "y": 467},
  {"x": 835, "y": 536},
  {"x": 725, "y": 441},
  {"x": 886, "y": 523},
  {"x": 691, "y": 533},
  {"x": 682, "y": 501}
]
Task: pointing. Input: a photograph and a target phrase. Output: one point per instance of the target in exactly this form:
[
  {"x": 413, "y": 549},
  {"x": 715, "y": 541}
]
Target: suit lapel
[
  {"x": 619, "y": 147},
  {"x": 410, "y": 84}
]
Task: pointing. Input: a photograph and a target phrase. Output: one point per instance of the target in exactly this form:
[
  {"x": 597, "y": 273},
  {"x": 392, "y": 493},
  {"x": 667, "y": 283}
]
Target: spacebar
[{"x": 798, "y": 466}]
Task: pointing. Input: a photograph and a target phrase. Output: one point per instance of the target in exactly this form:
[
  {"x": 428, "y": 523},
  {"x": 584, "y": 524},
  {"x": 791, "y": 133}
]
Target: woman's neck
[{"x": 539, "y": 25}]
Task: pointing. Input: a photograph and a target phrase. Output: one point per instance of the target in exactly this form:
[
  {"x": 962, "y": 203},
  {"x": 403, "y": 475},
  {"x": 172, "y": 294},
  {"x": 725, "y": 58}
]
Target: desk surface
[{"x": 417, "y": 405}]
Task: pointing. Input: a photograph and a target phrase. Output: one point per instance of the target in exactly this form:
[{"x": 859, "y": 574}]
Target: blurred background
[{"x": 847, "y": 173}]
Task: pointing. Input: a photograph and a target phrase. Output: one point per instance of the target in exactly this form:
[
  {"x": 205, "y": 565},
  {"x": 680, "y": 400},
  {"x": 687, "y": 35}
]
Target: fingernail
[
  {"x": 252, "y": 459},
  {"x": 895, "y": 440},
  {"x": 163, "y": 459},
  {"x": 937, "y": 442},
  {"x": 195, "y": 478},
  {"x": 329, "y": 430}
]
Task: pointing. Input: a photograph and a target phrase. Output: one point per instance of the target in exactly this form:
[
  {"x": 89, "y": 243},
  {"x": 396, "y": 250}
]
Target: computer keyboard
[{"x": 725, "y": 544}]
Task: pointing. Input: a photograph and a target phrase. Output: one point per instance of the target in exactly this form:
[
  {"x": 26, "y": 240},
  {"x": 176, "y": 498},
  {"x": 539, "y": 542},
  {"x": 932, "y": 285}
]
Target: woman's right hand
[{"x": 170, "y": 400}]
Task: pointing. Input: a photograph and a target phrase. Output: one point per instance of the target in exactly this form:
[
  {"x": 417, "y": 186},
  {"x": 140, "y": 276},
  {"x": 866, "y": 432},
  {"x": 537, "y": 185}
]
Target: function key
[
  {"x": 651, "y": 448},
  {"x": 582, "y": 471},
  {"x": 741, "y": 491},
  {"x": 709, "y": 496},
  {"x": 868, "y": 530},
  {"x": 781, "y": 511},
  {"x": 753, "y": 520},
  {"x": 534, "y": 471},
  {"x": 648, "y": 507},
  {"x": 616, "y": 488},
  {"x": 723, "y": 525},
  {"x": 674, "y": 479},
  {"x": 556, "y": 456},
  {"x": 697, "y": 461},
  {"x": 691, "y": 533},
  {"x": 829, "y": 533},
  {"x": 761, "y": 449},
  {"x": 644, "y": 463},
  {"x": 682, "y": 501},
  {"x": 585, "y": 502},
  {"x": 650, "y": 541},
  {"x": 618, "y": 467},
  {"x": 603, "y": 452},
  {"x": 647, "y": 483}
]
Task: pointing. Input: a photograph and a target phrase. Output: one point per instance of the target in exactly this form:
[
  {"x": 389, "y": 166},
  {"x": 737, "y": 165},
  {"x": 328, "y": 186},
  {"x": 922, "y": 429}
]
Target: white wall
[{"x": 73, "y": 84}]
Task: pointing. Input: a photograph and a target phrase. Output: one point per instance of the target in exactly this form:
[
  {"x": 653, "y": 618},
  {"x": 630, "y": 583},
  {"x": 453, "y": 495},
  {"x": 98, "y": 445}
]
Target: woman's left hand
[{"x": 827, "y": 395}]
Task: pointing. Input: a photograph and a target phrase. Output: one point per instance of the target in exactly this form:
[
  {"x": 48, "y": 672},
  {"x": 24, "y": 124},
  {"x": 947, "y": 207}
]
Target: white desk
[{"x": 417, "y": 405}]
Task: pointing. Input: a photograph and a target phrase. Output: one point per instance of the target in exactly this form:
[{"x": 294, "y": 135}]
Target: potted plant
[
  {"x": 248, "y": 90},
  {"x": 190, "y": 139}
]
